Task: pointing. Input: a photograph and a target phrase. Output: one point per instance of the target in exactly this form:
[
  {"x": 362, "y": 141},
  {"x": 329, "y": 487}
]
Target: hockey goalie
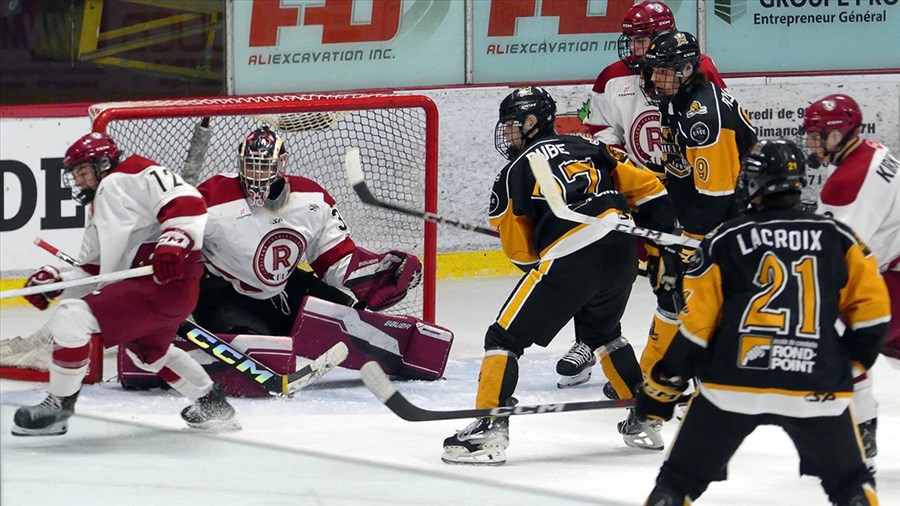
[{"x": 262, "y": 224}]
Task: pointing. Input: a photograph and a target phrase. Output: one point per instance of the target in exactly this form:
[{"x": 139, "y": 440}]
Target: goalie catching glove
[
  {"x": 45, "y": 275},
  {"x": 381, "y": 281},
  {"x": 172, "y": 248},
  {"x": 660, "y": 393}
]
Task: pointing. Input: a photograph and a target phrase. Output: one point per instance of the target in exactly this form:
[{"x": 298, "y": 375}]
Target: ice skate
[
  {"x": 642, "y": 434},
  {"x": 211, "y": 412},
  {"x": 482, "y": 442},
  {"x": 574, "y": 368},
  {"x": 49, "y": 418},
  {"x": 610, "y": 392}
]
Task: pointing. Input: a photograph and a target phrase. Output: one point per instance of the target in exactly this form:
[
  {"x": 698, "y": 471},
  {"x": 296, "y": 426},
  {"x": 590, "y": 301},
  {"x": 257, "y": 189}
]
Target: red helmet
[
  {"x": 648, "y": 18},
  {"x": 92, "y": 148},
  {"x": 834, "y": 112},
  {"x": 97, "y": 149},
  {"x": 644, "y": 19}
]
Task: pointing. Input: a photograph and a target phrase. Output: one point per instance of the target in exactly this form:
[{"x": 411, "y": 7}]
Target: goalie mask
[
  {"x": 830, "y": 124},
  {"x": 86, "y": 162},
  {"x": 643, "y": 22},
  {"x": 526, "y": 115},
  {"x": 773, "y": 166},
  {"x": 261, "y": 162}
]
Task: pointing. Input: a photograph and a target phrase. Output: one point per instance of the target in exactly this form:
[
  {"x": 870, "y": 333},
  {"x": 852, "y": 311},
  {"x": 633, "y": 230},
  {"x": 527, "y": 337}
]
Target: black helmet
[
  {"x": 673, "y": 50},
  {"x": 514, "y": 110},
  {"x": 774, "y": 166}
]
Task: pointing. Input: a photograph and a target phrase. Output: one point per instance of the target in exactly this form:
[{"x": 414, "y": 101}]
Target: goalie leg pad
[{"x": 403, "y": 345}]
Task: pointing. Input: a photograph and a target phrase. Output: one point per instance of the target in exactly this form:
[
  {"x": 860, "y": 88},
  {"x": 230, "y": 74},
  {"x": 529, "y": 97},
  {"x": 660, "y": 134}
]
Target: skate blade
[
  {"x": 489, "y": 457},
  {"x": 52, "y": 430},
  {"x": 215, "y": 426},
  {"x": 643, "y": 441},
  {"x": 573, "y": 381}
]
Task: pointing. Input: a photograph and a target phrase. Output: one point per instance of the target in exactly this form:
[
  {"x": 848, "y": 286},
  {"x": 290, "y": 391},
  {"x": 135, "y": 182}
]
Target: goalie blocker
[{"x": 403, "y": 345}]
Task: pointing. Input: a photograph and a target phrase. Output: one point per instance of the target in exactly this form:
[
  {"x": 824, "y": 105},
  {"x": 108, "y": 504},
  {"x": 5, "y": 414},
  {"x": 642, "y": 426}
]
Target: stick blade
[
  {"x": 377, "y": 381},
  {"x": 322, "y": 365},
  {"x": 353, "y": 165}
]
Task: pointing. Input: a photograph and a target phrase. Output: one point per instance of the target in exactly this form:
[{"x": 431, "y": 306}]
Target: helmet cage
[
  {"x": 834, "y": 112},
  {"x": 97, "y": 149},
  {"x": 258, "y": 173}
]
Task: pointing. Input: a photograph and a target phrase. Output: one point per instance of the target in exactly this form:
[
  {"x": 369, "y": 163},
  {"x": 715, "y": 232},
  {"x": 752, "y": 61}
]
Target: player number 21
[{"x": 772, "y": 276}]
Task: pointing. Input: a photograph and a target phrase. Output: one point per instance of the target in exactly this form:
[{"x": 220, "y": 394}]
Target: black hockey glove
[
  {"x": 665, "y": 269},
  {"x": 659, "y": 395}
]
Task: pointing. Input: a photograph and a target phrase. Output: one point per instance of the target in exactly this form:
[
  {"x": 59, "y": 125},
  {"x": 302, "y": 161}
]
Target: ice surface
[{"x": 335, "y": 444}]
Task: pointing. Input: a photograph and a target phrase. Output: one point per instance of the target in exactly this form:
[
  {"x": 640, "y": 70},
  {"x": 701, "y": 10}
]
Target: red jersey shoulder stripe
[
  {"x": 301, "y": 184},
  {"x": 842, "y": 187},
  {"x": 221, "y": 189}
]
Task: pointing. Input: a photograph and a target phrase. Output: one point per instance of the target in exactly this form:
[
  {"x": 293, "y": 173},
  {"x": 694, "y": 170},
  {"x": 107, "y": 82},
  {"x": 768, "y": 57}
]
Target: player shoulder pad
[
  {"x": 300, "y": 184},
  {"x": 612, "y": 71},
  {"x": 499, "y": 200},
  {"x": 700, "y": 117},
  {"x": 220, "y": 189}
]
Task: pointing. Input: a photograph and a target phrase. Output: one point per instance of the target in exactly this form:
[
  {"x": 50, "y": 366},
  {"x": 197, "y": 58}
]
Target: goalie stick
[
  {"x": 209, "y": 343},
  {"x": 540, "y": 167},
  {"x": 358, "y": 182},
  {"x": 285, "y": 384},
  {"x": 380, "y": 385}
]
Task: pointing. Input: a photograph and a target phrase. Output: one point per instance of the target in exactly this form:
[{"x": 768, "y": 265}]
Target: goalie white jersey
[
  {"x": 134, "y": 203},
  {"x": 864, "y": 192},
  {"x": 275, "y": 242}
]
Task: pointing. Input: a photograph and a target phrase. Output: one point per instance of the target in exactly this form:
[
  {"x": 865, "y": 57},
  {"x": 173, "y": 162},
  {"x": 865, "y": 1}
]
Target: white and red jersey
[
  {"x": 134, "y": 203},
  {"x": 863, "y": 191},
  {"x": 258, "y": 249},
  {"x": 621, "y": 116}
]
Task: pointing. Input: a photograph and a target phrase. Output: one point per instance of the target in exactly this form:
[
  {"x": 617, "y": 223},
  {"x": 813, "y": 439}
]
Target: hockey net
[{"x": 396, "y": 136}]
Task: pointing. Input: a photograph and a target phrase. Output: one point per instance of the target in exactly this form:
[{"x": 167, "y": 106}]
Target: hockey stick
[
  {"x": 377, "y": 381},
  {"x": 540, "y": 167},
  {"x": 285, "y": 384},
  {"x": 196, "y": 154},
  {"x": 46, "y": 246},
  {"x": 358, "y": 182},
  {"x": 62, "y": 285}
]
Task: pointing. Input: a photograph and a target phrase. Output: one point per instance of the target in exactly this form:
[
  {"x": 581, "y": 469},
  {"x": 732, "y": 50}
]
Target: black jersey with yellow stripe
[
  {"x": 595, "y": 180},
  {"x": 762, "y": 296},
  {"x": 706, "y": 134}
]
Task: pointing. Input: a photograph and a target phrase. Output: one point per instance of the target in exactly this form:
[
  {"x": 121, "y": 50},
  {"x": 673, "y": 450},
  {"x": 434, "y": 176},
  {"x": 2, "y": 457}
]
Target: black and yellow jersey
[
  {"x": 762, "y": 296},
  {"x": 706, "y": 133},
  {"x": 593, "y": 181}
]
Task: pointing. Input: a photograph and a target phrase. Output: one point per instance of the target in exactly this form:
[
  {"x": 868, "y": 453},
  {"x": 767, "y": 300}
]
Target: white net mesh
[{"x": 392, "y": 142}]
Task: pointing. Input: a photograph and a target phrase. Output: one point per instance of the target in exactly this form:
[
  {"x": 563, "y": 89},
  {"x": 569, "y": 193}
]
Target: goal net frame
[{"x": 324, "y": 111}]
